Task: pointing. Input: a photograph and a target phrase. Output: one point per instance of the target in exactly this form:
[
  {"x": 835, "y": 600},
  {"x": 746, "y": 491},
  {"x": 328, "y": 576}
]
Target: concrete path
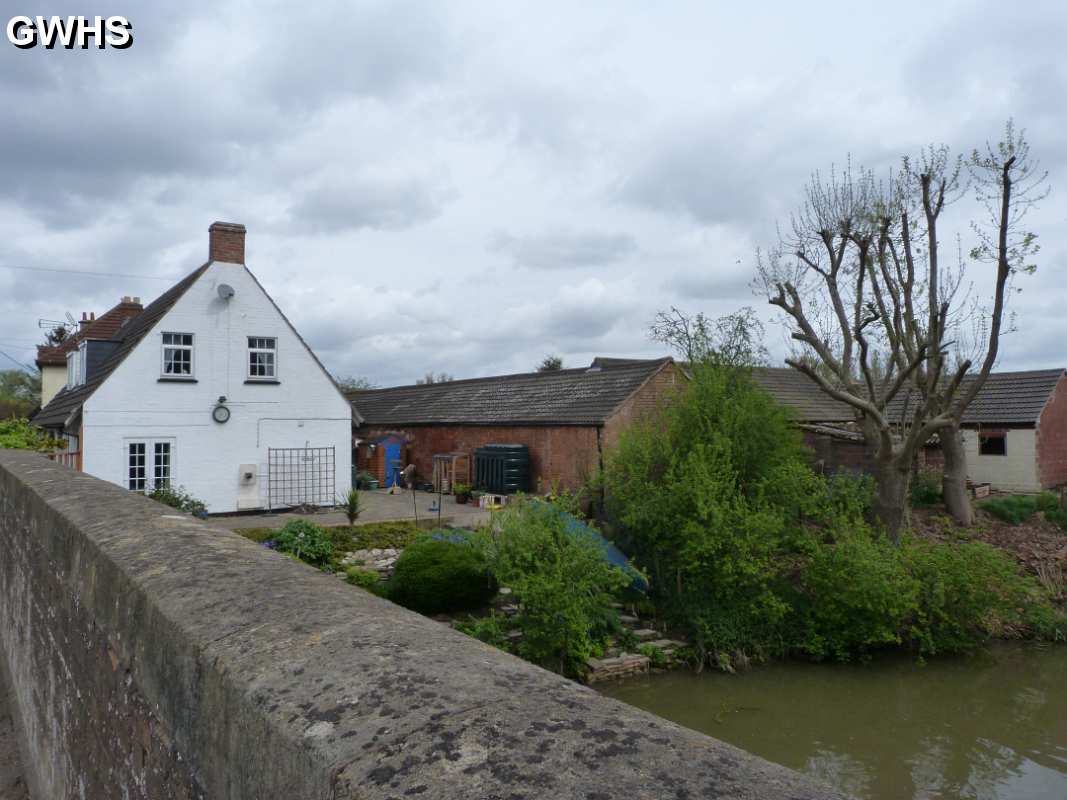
[
  {"x": 379, "y": 506},
  {"x": 12, "y": 784}
]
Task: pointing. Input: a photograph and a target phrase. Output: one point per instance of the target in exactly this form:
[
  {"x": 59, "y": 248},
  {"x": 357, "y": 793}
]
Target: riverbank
[{"x": 990, "y": 725}]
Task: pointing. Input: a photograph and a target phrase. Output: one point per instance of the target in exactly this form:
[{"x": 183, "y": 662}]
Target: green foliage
[
  {"x": 1013, "y": 509},
  {"x": 561, "y": 581},
  {"x": 1057, "y": 516},
  {"x": 350, "y": 505},
  {"x": 20, "y": 393},
  {"x": 441, "y": 575},
  {"x": 756, "y": 556},
  {"x": 926, "y": 487},
  {"x": 304, "y": 540},
  {"x": 19, "y": 434},
  {"x": 657, "y": 658},
  {"x": 363, "y": 480},
  {"x": 460, "y": 489},
  {"x": 491, "y": 630},
  {"x": 177, "y": 497},
  {"x": 397, "y": 534},
  {"x": 1047, "y": 501},
  {"x": 366, "y": 579}
]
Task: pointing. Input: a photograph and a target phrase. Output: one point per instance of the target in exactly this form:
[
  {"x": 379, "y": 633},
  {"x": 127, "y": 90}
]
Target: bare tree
[
  {"x": 733, "y": 340},
  {"x": 550, "y": 363},
  {"x": 434, "y": 377},
  {"x": 861, "y": 271},
  {"x": 352, "y": 383}
]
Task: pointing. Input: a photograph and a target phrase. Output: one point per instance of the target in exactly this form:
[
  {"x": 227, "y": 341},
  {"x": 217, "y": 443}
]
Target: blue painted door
[{"x": 392, "y": 464}]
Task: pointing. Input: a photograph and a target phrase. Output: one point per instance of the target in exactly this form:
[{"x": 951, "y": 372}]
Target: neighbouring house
[
  {"x": 567, "y": 418},
  {"x": 209, "y": 388},
  {"x": 1015, "y": 431},
  {"x": 54, "y": 361}
]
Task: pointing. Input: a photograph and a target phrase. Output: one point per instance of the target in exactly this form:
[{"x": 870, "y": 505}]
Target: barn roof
[
  {"x": 585, "y": 396},
  {"x": 1007, "y": 398},
  {"x": 802, "y": 396}
]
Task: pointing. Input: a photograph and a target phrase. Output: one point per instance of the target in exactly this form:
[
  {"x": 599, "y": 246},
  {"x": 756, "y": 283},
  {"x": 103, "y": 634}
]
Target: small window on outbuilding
[{"x": 992, "y": 443}]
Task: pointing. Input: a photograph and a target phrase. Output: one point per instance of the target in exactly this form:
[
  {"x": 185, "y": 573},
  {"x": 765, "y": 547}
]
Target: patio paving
[{"x": 378, "y": 506}]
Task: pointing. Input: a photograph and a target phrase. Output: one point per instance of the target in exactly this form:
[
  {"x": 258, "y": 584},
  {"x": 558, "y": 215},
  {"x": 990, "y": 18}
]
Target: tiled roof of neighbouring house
[
  {"x": 106, "y": 326},
  {"x": 1007, "y": 398},
  {"x": 68, "y": 401},
  {"x": 586, "y": 396},
  {"x": 802, "y": 396}
]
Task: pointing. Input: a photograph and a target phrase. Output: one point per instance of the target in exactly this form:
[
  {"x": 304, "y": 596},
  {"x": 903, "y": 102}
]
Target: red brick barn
[{"x": 567, "y": 418}]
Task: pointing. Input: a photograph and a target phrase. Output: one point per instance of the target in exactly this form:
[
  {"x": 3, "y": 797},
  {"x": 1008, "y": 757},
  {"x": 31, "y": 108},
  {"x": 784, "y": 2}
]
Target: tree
[
  {"x": 861, "y": 271},
  {"x": 733, "y": 340},
  {"x": 56, "y": 336},
  {"x": 352, "y": 383},
  {"x": 550, "y": 363},
  {"x": 434, "y": 377}
]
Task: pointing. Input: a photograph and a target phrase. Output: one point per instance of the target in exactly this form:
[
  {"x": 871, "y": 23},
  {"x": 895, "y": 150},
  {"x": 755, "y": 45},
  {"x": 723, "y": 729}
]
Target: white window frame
[
  {"x": 150, "y": 479},
  {"x": 257, "y": 348},
  {"x": 164, "y": 346},
  {"x": 83, "y": 350},
  {"x": 72, "y": 369}
]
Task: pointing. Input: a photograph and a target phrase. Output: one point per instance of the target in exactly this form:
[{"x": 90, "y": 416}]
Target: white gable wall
[
  {"x": 1014, "y": 472},
  {"x": 132, "y": 404}
]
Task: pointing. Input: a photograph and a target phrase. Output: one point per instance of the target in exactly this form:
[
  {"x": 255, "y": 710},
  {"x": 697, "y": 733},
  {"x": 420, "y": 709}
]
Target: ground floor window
[
  {"x": 992, "y": 444},
  {"x": 149, "y": 464}
]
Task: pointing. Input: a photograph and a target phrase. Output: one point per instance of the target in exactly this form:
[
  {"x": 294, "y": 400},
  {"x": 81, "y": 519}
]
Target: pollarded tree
[{"x": 861, "y": 272}]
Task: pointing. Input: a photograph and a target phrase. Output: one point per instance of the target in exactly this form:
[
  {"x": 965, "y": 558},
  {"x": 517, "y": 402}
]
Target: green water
[{"x": 989, "y": 727}]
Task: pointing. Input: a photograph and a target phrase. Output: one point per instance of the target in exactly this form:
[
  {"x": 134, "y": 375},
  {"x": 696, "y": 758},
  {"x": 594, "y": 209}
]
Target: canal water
[{"x": 991, "y": 726}]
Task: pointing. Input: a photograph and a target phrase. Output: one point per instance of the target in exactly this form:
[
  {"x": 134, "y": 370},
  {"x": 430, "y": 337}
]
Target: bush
[
  {"x": 304, "y": 540},
  {"x": 561, "y": 580},
  {"x": 441, "y": 575},
  {"x": 1013, "y": 509},
  {"x": 363, "y": 479},
  {"x": 926, "y": 487},
  {"x": 19, "y": 434},
  {"x": 366, "y": 579},
  {"x": 1058, "y": 517},
  {"x": 177, "y": 497},
  {"x": 1047, "y": 501},
  {"x": 491, "y": 630}
]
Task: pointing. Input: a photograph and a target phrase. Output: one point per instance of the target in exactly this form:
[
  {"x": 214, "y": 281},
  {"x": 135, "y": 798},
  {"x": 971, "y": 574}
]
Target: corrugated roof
[
  {"x": 586, "y": 396},
  {"x": 69, "y": 401},
  {"x": 106, "y": 326},
  {"x": 802, "y": 396},
  {"x": 1007, "y": 398}
]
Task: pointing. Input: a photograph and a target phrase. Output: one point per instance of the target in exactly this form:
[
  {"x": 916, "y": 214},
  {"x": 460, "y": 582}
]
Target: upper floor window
[
  {"x": 262, "y": 357},
  {"x": 178, "y": 354},
  {"x": 72, "y": 369}
]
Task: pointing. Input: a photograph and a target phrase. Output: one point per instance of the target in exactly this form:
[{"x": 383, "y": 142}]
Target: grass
[{"x": 1017, "y": 508}]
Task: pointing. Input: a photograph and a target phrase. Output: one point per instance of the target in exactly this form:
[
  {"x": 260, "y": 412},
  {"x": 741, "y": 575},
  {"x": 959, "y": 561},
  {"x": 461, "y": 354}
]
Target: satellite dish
[{"x": 225, "y": 291}]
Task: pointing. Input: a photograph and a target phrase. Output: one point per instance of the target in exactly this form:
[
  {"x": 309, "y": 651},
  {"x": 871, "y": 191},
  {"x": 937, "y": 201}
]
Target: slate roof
[
  {"x": 106, "y": 326},
  {"x": 802, "y": 396},
  {"x": 1007, "y": 398},
  {"x": 585, "y": 396},
  {"x": 69, "y": 401}
]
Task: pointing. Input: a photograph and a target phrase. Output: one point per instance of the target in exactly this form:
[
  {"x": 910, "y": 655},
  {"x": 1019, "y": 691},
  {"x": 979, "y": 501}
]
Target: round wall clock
[{"x": 220, "y": 414}]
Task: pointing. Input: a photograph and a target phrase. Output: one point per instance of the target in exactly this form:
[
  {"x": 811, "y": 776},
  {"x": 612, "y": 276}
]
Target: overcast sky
[{"x": 469, "y": 186}]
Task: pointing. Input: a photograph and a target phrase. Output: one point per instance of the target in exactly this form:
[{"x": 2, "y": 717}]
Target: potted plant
[{"x": 462, "y": 492}]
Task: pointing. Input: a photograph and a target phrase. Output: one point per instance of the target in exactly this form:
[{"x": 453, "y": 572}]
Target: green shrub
[
  {"x": 1013, "y": 509},
  {"x": 967, "y": 593},
  {"x": 366, "y": 579},
  {"x": 363, "y": 480},
  {"x": 857, "y": 597},
  {"x": 1057, "y": 516},
  {"x": 441, "y": 575},
  {"x": 177, "y": 497},
  {"x": 491, "y": 630},
  {"x": 561, "y": 581},
  {"x": 305, "y": 540},
  {"x": 19, "y": 434},
  {"x": 926, "y": 487},
  {"x": 1047, "y": 501}
]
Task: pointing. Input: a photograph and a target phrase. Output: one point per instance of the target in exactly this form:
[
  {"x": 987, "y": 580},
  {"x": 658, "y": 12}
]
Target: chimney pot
[
  {"x": 226, "y": 242},
  {"x": 137, "y": 301}
]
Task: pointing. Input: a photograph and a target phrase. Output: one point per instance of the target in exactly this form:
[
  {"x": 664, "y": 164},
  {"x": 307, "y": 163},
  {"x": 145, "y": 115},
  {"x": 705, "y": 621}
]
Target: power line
[
  {"x": 90, "y": 274},
  {"x": 17, "y": 363}
]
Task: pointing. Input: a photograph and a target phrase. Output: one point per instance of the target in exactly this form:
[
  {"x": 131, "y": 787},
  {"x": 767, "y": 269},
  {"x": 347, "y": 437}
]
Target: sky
[{"x": 468, "y": 186}]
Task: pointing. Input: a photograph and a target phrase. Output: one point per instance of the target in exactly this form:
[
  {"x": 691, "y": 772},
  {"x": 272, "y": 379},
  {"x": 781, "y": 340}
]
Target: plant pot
[{"x": 462, "y": 499}]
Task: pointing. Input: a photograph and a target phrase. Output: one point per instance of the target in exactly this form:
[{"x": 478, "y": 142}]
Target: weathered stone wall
[{"x": 153, "y": 656}]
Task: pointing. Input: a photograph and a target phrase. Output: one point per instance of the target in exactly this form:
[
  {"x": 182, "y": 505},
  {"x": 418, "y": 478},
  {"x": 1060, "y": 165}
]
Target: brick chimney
[
  {"x": 87, "y": 319},
  {"x": 226, "y": 242}
]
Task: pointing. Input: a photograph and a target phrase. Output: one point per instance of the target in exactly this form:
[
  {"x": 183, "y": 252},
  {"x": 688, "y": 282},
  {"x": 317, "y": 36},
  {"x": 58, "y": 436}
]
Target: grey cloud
[
  {"x": 564, "y": 249},
  {"x": 371, "y": 200}
]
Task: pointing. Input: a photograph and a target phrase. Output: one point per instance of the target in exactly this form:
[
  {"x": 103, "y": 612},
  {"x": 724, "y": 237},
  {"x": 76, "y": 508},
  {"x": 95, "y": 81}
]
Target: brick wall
[
  {"x": 656, "y": 391},
  {"x": 1052, "y": 439},
  {"x": 566, "y": 454}
]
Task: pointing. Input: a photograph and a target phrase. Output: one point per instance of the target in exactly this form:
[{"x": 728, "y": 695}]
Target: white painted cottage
[{"x": 212, "y": 389}]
